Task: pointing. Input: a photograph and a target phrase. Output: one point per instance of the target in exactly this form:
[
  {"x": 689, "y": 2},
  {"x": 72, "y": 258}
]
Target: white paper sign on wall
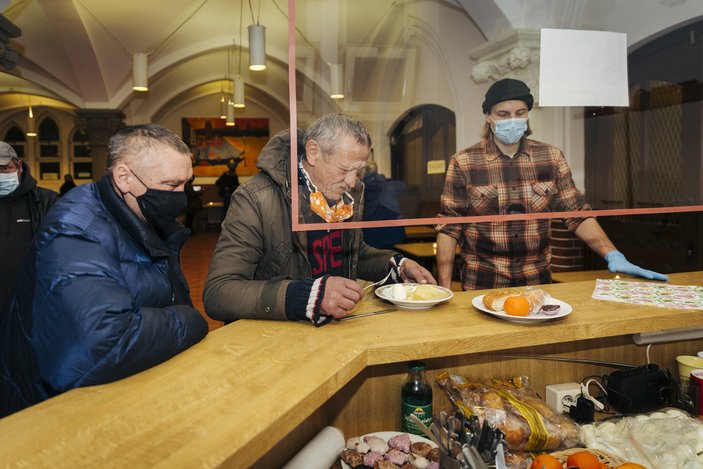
[{"x": 583, "y": 68}]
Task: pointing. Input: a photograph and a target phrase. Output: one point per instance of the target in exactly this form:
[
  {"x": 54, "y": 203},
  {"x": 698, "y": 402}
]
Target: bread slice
[{"x": 495, "y": 299}]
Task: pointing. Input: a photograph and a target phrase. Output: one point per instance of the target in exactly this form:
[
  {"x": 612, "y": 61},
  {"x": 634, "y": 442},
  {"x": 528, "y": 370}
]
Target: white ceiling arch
[{"x": 78, "y": 51}]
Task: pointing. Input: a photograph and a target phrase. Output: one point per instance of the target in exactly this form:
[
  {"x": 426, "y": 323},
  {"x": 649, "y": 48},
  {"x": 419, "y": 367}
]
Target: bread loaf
[{"x": 495, "y": 299}]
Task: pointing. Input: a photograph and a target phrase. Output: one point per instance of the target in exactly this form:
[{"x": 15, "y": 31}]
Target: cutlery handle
[
  {"x": 371, "y": 313},
  {"x": 426, "y": 430}
]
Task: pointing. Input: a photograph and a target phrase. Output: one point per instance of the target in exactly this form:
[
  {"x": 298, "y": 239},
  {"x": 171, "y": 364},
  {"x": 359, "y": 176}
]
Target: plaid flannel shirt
[{"x": 481, "y": 180}]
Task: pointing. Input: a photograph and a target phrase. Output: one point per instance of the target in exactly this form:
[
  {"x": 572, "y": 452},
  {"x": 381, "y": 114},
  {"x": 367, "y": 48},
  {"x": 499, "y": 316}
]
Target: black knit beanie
[{"x": 507, "y": 89}]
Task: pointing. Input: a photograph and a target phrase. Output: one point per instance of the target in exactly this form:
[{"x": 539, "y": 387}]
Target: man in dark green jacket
[{"x": 262, "y": 269}]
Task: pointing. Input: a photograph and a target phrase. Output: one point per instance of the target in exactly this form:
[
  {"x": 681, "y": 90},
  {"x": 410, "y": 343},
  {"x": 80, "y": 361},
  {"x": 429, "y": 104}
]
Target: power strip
[{"x": 562, "y": 396}]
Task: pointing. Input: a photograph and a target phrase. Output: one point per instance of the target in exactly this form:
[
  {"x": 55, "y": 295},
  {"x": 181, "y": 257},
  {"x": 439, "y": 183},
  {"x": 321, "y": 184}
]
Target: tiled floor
[{"x": 195, "y": 261}]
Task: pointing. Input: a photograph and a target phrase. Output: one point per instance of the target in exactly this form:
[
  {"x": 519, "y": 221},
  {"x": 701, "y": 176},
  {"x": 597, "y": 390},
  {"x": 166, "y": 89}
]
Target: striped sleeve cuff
[
  {"x": 396, "y": 262},
  {"x": 303, "y": 300}
]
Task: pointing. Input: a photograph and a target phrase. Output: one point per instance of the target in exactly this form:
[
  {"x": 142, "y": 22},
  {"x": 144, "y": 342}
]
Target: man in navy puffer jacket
[{"x": 101, "y": 295}]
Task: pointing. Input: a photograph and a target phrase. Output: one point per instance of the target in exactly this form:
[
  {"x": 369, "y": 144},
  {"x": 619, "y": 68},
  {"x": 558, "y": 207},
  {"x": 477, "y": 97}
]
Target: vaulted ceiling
[{"x": 77, "y": 53}]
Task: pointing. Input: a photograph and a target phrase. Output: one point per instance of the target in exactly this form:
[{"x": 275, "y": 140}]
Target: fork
[{"x": 379, "y": 282}]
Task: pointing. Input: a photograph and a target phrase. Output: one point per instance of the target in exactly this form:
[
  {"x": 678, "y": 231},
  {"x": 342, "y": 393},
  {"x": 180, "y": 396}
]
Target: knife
[
  {"x": 500, "y": 457},
  {"x": 372, "y": 313}
]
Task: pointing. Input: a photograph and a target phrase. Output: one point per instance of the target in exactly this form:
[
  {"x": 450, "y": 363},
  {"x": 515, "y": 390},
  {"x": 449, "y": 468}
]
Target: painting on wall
[{"x": 215, "y": 145}]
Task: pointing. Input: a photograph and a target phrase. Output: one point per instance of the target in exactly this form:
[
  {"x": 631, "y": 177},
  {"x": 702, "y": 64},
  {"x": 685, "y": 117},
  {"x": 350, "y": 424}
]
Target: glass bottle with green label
[{"x": 416, "y": 398}]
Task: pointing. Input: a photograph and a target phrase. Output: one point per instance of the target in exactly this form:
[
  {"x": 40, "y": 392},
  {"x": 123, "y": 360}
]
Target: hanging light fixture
[
  {"x": 257, "y": 47},
  {"x": 230, "y": 101},
  {"x": 140, "y": 73},
  {"x": 31, "y": 126},
  {"x": 223, "y": 106},
  {"x": 239, "y": 92},
  {"x": 257, "y": 42},
  {"x": 230, "y": 114},
  {"x": 223, "y": 100},
  {"x": 238, "y": 84},
  {"x": 336, "y": 81}
]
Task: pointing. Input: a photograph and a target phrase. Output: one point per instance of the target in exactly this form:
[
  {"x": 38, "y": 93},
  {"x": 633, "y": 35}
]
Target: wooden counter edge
[{"x": 359, "y": 345}]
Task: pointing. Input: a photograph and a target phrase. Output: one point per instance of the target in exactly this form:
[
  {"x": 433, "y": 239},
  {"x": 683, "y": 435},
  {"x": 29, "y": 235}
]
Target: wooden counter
[
  {"x": 253, "y": 392},
  {"x": 581, "y": 275}
]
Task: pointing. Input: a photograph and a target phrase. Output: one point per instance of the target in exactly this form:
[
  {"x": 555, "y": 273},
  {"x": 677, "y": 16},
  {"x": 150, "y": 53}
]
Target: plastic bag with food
[
  {"x": 659, "y": 440},
  {"x": 527, "y": 422}
]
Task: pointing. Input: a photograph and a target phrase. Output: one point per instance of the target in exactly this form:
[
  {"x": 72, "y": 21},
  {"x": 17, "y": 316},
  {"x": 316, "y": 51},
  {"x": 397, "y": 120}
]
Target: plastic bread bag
[
  {"x": 659, "y": 440},
  {"x": 527, "y": 422},
  {"x": 517, "y": 459}
]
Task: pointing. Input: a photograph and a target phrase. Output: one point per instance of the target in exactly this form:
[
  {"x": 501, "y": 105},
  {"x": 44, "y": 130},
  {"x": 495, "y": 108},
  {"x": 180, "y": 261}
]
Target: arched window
[
  {"x": 81, "y": 163},
  {"x": 422, "y": 143},
  {"x": 15, "y": 137},
  {"x": 49, "y": 150}
]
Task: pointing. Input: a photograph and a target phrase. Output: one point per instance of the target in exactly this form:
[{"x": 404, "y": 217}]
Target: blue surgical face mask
[
  {"x": 510, "y": 131},
  {"x": 8, "y": 183}
]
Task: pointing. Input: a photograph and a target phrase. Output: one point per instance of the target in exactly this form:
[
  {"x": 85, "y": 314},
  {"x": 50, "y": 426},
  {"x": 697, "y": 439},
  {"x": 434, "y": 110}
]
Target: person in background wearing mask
[
  {"x": 508, "y": 173},
  {"x": 22, "y": 206},
  {"x": 101, "y": 294},
  {"x": 262, "y": 270}
]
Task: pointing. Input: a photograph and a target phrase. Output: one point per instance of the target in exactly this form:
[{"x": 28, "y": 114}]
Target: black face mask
[{"x": 160, "y": 208}]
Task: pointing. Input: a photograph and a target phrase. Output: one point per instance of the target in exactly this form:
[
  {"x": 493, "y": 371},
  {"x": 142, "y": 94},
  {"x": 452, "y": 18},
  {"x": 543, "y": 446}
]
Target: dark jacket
[
  {"x": 258, "y": 254},
  {"x": 66, "y": 186},
  {"x": 21, "y": 211},
  {"x": 381, "y": 202},
  {"x": 101, "y": 297}
]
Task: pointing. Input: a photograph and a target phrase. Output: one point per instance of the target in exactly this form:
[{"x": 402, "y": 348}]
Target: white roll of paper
[{"x": 321, "y": 452}]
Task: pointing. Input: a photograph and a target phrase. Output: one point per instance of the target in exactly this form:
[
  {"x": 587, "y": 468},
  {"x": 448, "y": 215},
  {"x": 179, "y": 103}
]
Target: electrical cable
[
  {"x": 648, "y": 347},
  {"x": 241, "y": 19},
  {"x": 255, "y": 21},
  {"x": 178, "y": 28},
  {"x": 560, "y": 359},
  {"x": 127, "y": 51}
]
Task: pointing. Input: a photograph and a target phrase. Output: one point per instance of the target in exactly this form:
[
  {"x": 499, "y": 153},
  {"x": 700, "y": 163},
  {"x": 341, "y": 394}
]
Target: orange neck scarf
[{"x": 318, "y": 203}]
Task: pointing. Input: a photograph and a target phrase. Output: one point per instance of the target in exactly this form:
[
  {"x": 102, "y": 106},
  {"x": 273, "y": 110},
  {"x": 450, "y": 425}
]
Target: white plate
[
  {"x": 564, "y": 310},
  {"x": 384, "y": 293},
  {"x": 388, "y": 435}
]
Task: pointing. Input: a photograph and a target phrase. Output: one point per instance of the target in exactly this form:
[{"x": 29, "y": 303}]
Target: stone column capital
[{"x": 514, "y": 54}]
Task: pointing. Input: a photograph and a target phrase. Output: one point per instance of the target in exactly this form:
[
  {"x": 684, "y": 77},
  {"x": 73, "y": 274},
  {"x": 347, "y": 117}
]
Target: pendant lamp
[
  {"x": 257, "y": 47},
  {"x": 31, "y": 127},
  {"x": 239, "y": 92},
  {"x": 336, "y": 81},
  {"x": 140, "y": 72},
  {"x": 230, "y": 114},
  {"x": 223, "y": 107}
]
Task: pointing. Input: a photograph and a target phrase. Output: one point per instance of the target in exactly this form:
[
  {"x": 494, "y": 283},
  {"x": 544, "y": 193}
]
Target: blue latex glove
[{"x": 618, "y": 263}]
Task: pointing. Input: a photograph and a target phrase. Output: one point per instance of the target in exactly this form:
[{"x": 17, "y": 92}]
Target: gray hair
[
  {"x": 140, "y": 141},
  {"x": 329, "y": 129}
]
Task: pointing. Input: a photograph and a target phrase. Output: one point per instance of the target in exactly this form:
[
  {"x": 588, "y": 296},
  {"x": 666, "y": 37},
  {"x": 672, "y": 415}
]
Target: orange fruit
[
  {"x": 545, "y": 461},
  {"x": 517, "y": 306},
  {"x": 583, "y": 460},
  {"x": 631, "y": 465}
]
